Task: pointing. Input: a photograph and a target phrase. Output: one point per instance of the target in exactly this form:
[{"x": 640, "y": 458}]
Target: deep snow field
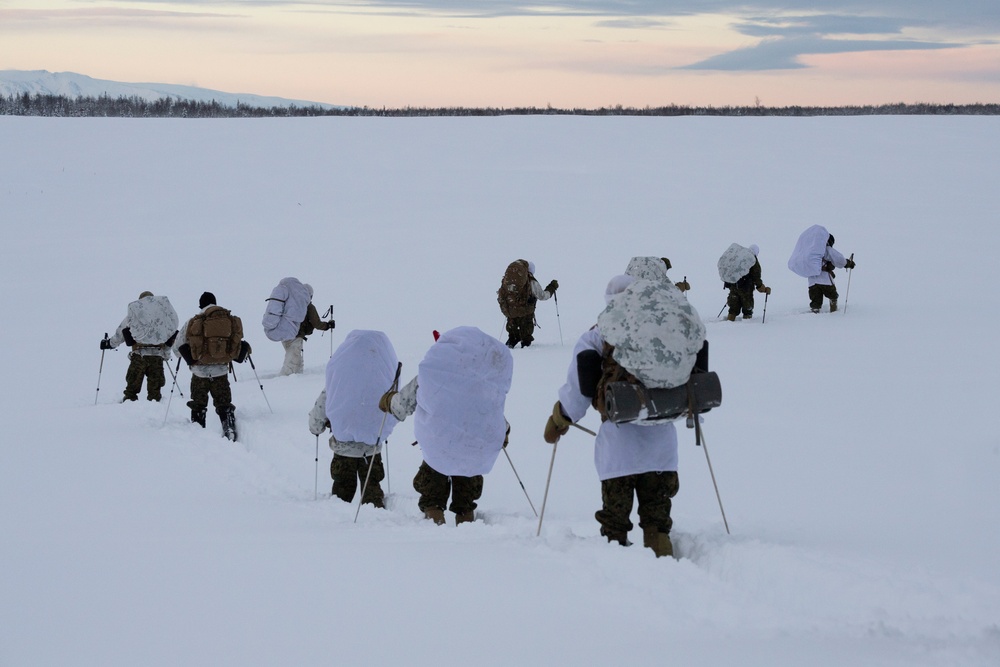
[{"x": 856, "y": 453}]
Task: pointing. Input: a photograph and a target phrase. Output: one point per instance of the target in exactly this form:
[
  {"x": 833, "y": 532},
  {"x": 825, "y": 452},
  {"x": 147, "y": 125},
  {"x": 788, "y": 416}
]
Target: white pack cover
[
  {"x": 647, "y": 268},
  {"x": 807, "y": 257},
  {"x": 462, "y": 387},
  {"x": 286, "y": 309},
  {"x": 358, "y": 373},
  {"x": 735, "y": 263},
  {"x": 657, "y": 334},
  {"x": 152, "y": 320}
]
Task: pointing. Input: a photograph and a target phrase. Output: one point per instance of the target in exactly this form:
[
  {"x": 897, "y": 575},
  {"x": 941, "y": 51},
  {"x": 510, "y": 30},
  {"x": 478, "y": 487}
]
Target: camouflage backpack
[
  {"x": 514, "y": 296},
  {"x": 214, "y": 336},
  {"x": 611, "y": 371}
]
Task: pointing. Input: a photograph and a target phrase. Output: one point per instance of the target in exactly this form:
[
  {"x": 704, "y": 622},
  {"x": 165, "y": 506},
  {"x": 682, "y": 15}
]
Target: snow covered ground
[{"x": 856, "y": 453}]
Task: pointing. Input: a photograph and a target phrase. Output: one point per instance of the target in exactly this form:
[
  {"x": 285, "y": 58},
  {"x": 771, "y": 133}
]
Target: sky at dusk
[{"x": 563, "y": 53}]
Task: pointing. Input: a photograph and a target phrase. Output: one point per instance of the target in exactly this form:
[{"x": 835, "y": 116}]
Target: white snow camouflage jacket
[{"x": 620, "y": 449}]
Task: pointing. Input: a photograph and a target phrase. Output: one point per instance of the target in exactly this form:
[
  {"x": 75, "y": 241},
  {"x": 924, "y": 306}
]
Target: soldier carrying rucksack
[
  {"x": 517, "y": 296},
  {"x": 209, "y": 342},
  {"x": 649, "y": 336},
  {"x": 149, "y": 328},
  {"x": 739, "y": 270}
]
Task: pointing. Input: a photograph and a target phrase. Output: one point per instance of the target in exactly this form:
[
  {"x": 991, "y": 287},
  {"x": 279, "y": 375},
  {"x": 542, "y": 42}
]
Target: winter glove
[
  {"x": 763, "y": 289},
  {"x": 170, "y": 341},
  {"x": 552, "y": 286},
  {"x": 105, "y": 344},
  {"x": 850, "y": 264},
  {"x": 683, "y": 285},
  {"x": 245, "y": 351},
  {"x": 385, "y": 403},
  {"x": 557, "y": 425},
  {"x": 331, "y": 324},
  {"x": 185, "y": 352},
  {"x": 127, "y": 335}
]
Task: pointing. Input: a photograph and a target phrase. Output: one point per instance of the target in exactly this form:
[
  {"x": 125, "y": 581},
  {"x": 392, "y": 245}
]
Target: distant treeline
[{"x": 135, "y": 107}]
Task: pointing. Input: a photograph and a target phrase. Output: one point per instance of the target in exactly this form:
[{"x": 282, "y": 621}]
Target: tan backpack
[{"x": 214, "y": 336}]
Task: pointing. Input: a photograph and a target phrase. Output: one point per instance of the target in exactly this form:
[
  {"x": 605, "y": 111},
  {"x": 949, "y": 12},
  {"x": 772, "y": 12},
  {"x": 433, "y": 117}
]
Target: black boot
[
  {"x": 228, "y": 419},
  {"x": 198, "y": 416}
]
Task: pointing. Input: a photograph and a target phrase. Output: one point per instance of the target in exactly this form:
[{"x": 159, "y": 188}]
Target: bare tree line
[{"x": 135, "y": 107}]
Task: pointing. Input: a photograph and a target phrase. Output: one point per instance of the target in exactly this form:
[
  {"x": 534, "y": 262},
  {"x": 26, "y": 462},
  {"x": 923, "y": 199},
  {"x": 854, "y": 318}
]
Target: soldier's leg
[
  {"x": 434, "y": 489},
  {"x": 374, "y": 495},
  {"x": 465, "y": 491},
  {"x": 293, "y": 357},
  {"x": 815, "y": 297},
  {"x": 616, "y": 495},
  {"x": 222, "y": 395},
  {"x": 344, "y": 473},
  {"x": 831, "y": 294},
  {"x": 199, "y": 399},
  {"x": 746, "y": 303},
  {"x": 527, "y": 330},
  {"x": 154, "y": 376},
  {"x": 733, "y": 301},
  {"x": 654, "y": 491},
  {"x": 513, "y": 335},
  {"x": 133, "y": 376}
]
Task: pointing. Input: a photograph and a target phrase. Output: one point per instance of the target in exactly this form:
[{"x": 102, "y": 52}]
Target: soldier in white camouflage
[
  {"x": 741, "y": 292},
  {"x": 154, "y": 322}
]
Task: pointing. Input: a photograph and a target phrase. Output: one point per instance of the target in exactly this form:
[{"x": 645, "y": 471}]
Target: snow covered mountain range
[{"x": 70, "y": 84}]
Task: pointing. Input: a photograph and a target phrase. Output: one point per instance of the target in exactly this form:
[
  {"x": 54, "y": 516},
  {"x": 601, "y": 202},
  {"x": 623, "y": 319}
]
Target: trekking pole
[
  {"x": 763, "y": 317},
  {"x": 233, "y": 371},
  {"x": 583, "y": 428},
  {"x": 378, "y": 440},
  {"x": 385, "y": 450},
  {"x": 558, "y": 320},
  {"x": 699, "y": 440},
  {"x": 167, "y": 364},
  {"x": 171, "y": 397},
  {"x": 329, "y": 313},
  {"x": 722, "y": 309},
  {"x": 100, "y": 371},
  {"x": 545, "y": 499},
  {"x": 316, "y": 482},
  {"x": 520, "y": 482},
  {"x": 250, "y": 359},
  {"x": 848, "y": 293}
]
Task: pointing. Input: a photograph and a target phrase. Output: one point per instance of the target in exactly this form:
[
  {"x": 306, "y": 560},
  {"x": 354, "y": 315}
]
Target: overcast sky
[{"x": 566, "y": 53}]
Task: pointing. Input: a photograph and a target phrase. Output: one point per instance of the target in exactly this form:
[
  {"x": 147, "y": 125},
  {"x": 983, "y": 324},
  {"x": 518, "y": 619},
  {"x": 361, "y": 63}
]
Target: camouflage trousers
[
  {"x": 654, "y": 491},
  {"x": 149, "y": 367},
  {"x": 520, "y": 330},
  {"x": 740, "y": 300},
  {"x": 817, "y": 292},
  {"x": 222, "y": 394},
  {"x": 434, "y": 489},
  {"x": 347, "y": 472}
]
